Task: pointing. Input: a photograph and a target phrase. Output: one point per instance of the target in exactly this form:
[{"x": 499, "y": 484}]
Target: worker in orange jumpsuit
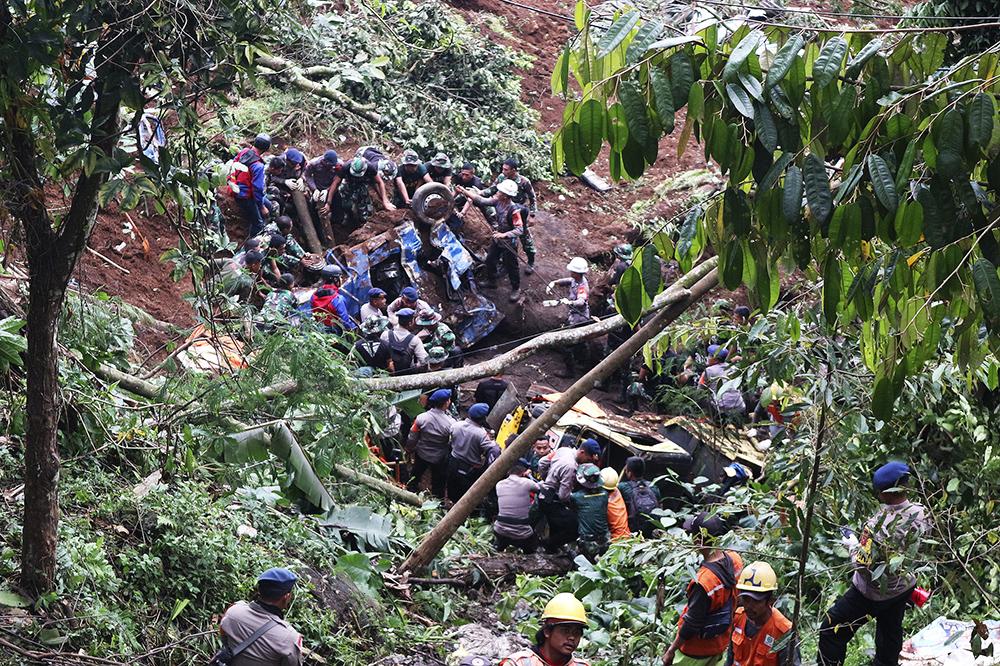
[{"x": 617, "y": 511}]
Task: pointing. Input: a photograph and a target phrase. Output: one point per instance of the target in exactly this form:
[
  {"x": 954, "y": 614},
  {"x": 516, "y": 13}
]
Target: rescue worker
[
  {"x": 542, "y": 450},
  {"x": 386, "y": 168},
  {"x": 280, "y": 306},
  {"x": 436, "y": 357},
  {"x": 509, "y": 228},
  {"x": 760, "y": 631},
  {"x": 577, "y": 302},
  {"x": 246, "y": 182},
  {"x": 515, "y": 496},
  {"x": 444, "y": 337},
  {"x": 429, "y": 443},
  {"x": 371, "y": 330},
  {"x": 244, "y": 281},
  {"x": 293, "y": 251},
  {"x": 278, "y": 261},
  {"x": 400, "y": 349},
  {"x": 490, "y": 389},
  {"x": 705, "y": 624},
  {"x": 427, "y": 322},
  {"x": 411, "y": 175},
  {"x": 274, "y": 641},
  {"x": 641, "y": 496},
  {"x": 375, "y": 307},
  {"x": 439, "y": 169},
  {"x": 729, "y": 405},
  {"x": 563, "y": 622},
  {"x": 623, "y": 259},
  {"x": 617, "y": 511},
  {"x": 555, "y": 499},
  {"x": 320, "y": 174},
  {"x": 409, "y": 298},
  {"x": 591, "y": 504},
  {"x": 329, "y": 307},
  {"x": 525, "y": 196},
  {"x": 896, "y": 529},
  {"x": 471, "y": 447},
  {"x": 467, "y": 178},
  {"x": 352, "y": 182}
]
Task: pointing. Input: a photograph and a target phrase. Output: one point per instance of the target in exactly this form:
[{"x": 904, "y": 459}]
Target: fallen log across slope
[{"x": 275, "y": 66}]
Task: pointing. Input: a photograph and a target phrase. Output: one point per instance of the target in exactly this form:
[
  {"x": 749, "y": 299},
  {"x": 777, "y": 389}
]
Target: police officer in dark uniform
[{"x": 279, "y": 644}]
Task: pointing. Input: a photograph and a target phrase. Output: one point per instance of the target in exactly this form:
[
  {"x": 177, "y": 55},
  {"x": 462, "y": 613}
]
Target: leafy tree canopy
[{"x": 859, "y": 157}]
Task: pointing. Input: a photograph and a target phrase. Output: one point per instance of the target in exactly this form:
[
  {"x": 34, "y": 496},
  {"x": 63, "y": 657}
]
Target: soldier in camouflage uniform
[
  {"x": 525, "y": 197},
  {"x": 293, "y": 251}
]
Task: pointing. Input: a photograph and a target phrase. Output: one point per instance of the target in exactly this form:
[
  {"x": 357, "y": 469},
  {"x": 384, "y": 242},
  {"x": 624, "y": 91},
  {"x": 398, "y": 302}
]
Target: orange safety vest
[
  {"x": 718, "y": 596},
  {"x": 531, "y": 658},
  {"x": 757, "y": 651},
  {"x": 617, "y": 515}
]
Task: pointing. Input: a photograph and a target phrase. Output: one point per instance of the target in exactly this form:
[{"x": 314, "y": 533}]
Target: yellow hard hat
[
  {"x": 564, "y": 607},
  {"x": 609, "y": 478},
  {"x": 757, "y": 577}
]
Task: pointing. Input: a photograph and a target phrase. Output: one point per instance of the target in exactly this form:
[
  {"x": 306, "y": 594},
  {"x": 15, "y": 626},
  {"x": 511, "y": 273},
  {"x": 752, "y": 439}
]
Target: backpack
[
  {"x": 242, "y": 173},
  {"x": 640, "y": 505},
  {"x": 226, "y": 655},
  {"x": 397, "y": 351}
]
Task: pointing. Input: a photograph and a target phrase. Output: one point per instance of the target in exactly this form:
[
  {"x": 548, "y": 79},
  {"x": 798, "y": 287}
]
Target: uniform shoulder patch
[{"x": 769, "y": 640}]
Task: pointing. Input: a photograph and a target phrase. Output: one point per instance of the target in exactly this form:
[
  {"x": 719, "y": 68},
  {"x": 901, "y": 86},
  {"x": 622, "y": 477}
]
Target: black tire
[{"x": 426, "y": 191}]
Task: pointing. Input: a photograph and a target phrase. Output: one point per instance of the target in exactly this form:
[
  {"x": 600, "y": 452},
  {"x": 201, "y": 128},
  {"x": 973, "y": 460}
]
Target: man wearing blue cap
[
  {"x": 409, "y": 298},
  {"x": 512, "y": 526},
  {"x": 400, "y": 349},
  {"x": 256, "y": 632},
  {"x": 429, "y": 441},
  {"x": 375, "y": 307},
  {"x": 896, "y": 529},
  {"x": 471, "y": 449}
]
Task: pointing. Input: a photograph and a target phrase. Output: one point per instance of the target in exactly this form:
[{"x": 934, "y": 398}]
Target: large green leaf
[
  {"x": 280, "y": 440},
  {"x": 634, "y": 105},
  {"x": 735, "y": 213},
  {"x": 775, "y": 172},
  {"x": 663, "y": 96},
  {"x": 575, "y": 148},
  {"x": 818, "y": 194},
  {"x": 829, "y": 61},
  {"x": 848, "y": 184},
  {"x": 646, "y": 35},
  {"x": 681, "y": 76},
  {"x": 630, "y": 296},
  {"x": 560, "y": 73},
  {"x": 882, "y": 182},
  {"x": 981, "y": 116},
  {"x": 740, "y": 99},
  {"x": 791, "y": 202},
  {"x": 592, "y": 120},
  {"x": 617, "y": 33},
  {"x": 617, "y": 128},
  {"x": 732, "y": 265},
  {"x": 950, "y": 141},
  {"x": 13, "y": 600},
  {"x": 984, "y": 276},
  {"x": 783, "y": 60},
  {"x": 652, "y": 275},
  {"x": 634, "y": 158},
  {"x": 740, "y": 54},
  {"x": 869, "y": 51},
  {"x": 767, "y": 131},
  {"x": 369, "y": 527},
  {"x": 688, "y": 232}
]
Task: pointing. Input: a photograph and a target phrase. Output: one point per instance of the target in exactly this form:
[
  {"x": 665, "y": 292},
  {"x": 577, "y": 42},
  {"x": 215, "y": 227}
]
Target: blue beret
[
  {"x": 440, "y": 396},
  {"x": 294, "y": 155},
  {"x": 479, "y": 410},
  {"x": 330, "y": 156},
  {"x": 889, "y": 475},
  {"x": 405, "y": 313},
  {"x": 375, "y": 292},
  {"x": 591, "y": 446},
  {"x": 410, "y": 293},
  {"x": 276, "y": 582}
]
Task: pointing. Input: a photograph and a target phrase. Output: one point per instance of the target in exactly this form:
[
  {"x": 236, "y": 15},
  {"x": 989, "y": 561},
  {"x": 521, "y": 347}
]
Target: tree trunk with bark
[{"x": 52, "y": 252}]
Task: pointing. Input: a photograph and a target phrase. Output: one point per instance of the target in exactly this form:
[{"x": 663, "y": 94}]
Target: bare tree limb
[{"x": 280, "y": 66}]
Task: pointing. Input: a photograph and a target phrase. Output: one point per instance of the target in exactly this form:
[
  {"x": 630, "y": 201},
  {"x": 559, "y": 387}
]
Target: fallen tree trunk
[
  {"x": 281, "y": 441},
  {"x": 306, "y": 222},
  {"x": 443, "y": 531},
  {"x": 281, "y": 67},
  {"x": 676, "y": 293}
]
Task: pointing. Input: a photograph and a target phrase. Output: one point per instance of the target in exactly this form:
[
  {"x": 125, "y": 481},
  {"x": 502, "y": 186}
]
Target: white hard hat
[
  {"x": 508, "y": 187},
  {"x": 577, "y": 265}
]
